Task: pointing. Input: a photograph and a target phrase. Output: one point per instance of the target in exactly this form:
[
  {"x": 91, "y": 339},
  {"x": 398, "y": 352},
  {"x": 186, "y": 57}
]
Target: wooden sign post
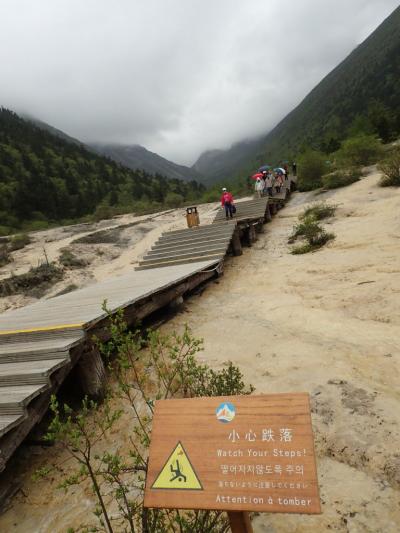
[{"x": 233, "y": 453}]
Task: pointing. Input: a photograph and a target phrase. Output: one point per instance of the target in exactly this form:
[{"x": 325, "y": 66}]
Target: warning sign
[
  {"x": 178, "y": 472},
  {"x": 233, "y": 453}
]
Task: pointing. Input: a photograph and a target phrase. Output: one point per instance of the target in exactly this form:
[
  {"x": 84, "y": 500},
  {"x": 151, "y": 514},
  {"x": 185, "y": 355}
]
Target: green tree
[
  {"x": 311, "y": 167},
  {"x": 360, "y": 150},
  {"x": 144, "y": 368}
]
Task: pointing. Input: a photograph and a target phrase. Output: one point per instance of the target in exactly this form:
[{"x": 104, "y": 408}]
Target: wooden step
[
  {"x": 13, "y": 399},
  {"x": 29, "y": 372}
]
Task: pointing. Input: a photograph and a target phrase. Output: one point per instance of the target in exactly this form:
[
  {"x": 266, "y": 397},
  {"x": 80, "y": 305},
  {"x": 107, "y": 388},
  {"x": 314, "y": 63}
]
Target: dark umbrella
[{"x": 264, "y": 167}]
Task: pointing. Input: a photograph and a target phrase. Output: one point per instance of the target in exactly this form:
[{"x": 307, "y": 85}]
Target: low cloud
[{"x": 177, "y": 77}]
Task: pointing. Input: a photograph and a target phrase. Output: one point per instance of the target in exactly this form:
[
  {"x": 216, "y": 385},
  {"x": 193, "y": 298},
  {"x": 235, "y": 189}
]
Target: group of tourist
[{"x": 270, "y": 181}]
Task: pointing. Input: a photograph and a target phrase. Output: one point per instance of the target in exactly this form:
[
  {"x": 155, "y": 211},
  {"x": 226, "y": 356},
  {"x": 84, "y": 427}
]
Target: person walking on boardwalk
[
  {"x": 227, "y": 203},
  {"x": 294, "y": 168},
  {"x": 269, "y": 183},
  {"x": 259, "y": 186},
  {"x": 278, "y": 181}
]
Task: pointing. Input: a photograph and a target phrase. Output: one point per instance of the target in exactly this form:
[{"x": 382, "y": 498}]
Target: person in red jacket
[{"x": 227, "y": 203}]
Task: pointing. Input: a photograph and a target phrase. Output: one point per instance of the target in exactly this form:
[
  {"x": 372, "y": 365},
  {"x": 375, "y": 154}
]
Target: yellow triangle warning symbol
[{"x": 178, "y": 472}]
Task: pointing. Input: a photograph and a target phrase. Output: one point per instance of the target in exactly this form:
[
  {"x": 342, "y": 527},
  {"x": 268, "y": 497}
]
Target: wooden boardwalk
[
  {"x": 190, "y": 245},
  {"x": 41, "y": 343},
  {"x": 247, "y": 211}
]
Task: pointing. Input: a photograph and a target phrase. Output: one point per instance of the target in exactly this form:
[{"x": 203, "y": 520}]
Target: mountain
[
  {"x": 131, "y": 156},
  {"x": 46, "y": 178},
  {"x": 51, "y": 129},
  {"x": 362, "y": 91},
  {"x": 137, "y": 157},
  {"x": 217, "y": 165}
]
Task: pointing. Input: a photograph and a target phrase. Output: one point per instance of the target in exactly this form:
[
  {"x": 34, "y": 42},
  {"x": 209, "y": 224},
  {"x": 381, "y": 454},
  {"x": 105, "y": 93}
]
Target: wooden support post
[
  {"x": 268, "y": 216},
  {"x": 176, "y": 303},
  {"x": 273, "y": 208},
  {"x": 240, "y": 522},
  {"x": 91, "y": 372},
  {"x": 259, "y": 227},
  {"x": 252, "y": 234},
  {"x": 236, "y": 244}
]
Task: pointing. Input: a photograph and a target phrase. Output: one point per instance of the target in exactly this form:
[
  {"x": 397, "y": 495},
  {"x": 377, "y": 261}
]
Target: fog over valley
[{"x": 176, "y": 77}]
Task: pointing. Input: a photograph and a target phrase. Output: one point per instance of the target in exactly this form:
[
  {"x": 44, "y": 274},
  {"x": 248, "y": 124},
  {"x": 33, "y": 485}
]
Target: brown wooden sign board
[{"x": 233, "y": 453}]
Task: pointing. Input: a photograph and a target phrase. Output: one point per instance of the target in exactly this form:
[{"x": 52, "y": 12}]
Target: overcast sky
[{"x": 176, "y": 76}]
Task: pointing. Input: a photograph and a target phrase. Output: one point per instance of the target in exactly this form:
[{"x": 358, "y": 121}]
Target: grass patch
[
  {"x": 19, "y": 241},
  {"x": 33, "y": 283},
  {"x": 69, "y": 260},
  {"x": 341, "y": 178},
  {"x": 390, "y": 168},
  {"x": 320, "y": 239},
  {"x": 318, "y": 211},
  {"x": 308, "y": 229}
]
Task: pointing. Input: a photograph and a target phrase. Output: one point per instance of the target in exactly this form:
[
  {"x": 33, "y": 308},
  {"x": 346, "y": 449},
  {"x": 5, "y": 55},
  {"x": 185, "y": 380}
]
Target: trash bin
[{"x": 192, "y": 217}]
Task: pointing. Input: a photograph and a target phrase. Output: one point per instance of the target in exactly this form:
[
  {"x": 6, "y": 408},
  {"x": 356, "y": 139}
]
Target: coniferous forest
[{"x": 46, "y": 179}]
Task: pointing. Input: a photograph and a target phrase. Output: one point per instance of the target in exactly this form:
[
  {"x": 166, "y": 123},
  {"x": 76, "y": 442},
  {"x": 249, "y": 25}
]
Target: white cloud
[{"x": 175, "y": 76}]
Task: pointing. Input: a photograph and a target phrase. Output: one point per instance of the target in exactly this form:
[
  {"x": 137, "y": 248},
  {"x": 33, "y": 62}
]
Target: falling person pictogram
[{"x": 177, "y": 472}]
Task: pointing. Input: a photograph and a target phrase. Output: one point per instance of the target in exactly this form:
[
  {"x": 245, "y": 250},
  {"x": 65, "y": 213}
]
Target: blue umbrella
[{"x": 264, "y": 167}]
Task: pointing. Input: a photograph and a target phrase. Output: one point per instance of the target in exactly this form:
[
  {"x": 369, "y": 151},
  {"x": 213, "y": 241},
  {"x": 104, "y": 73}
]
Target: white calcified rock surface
[{"x": 327, "y": 323}]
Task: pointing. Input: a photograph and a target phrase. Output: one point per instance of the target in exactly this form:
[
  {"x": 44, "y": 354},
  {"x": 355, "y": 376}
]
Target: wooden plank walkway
[
  {"x": 40, "y": 343},
  {"x": 36, "y": 340},
  {"x": 246, "y": 211},
  {"x": 209, "y": 243}
]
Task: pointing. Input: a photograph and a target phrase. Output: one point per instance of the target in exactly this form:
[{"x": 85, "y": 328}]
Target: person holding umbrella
[
  {"x": 227, "y": 203},
  {"x": 278, "y": 179},
  {"x": 269, "y": 182},
  {"x": 259, "y": 187}
]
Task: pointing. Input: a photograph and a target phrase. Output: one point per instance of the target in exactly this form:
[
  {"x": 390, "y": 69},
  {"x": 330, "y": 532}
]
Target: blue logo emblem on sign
[{"x": 225, "y": 412}]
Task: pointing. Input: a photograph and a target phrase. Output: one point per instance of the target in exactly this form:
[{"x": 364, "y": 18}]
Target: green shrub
[
  {"x": 173, "y": 199},
  {"x": 5, "y": 230},
  {"x": 307, "y": 229},
  {"x": 311, "y": 167},
  {"x": 167, "y": 368},
  {"x": 359, "y": 151},
  {"x": 19, "y": 241},
  {"x": 390, "y": 167},
  {"x": 320, "y": 237},
  {"x": 36, "y": 225},
  {"x": 103, "y": 212},
  {"x": 340, "y": 178},
  {"x": 318, "y": 211},
  {"x": 69, "y": 259},
  {"x": 310, "y": 231}
]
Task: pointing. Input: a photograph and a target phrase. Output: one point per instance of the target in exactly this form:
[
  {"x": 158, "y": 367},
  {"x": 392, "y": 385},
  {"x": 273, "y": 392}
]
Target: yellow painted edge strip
[{"x": 46, "y": 328}]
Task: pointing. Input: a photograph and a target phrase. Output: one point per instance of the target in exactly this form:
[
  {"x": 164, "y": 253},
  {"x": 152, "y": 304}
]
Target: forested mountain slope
[
  {"x": 51, "y": 129},
  {"x": 362, "y": 92},
  {"x": 364, "y": 86},
  {"x": 216, "y": 165},
  {"x": 45, "y": 178},
  {"x": 138, "y": 157}
]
